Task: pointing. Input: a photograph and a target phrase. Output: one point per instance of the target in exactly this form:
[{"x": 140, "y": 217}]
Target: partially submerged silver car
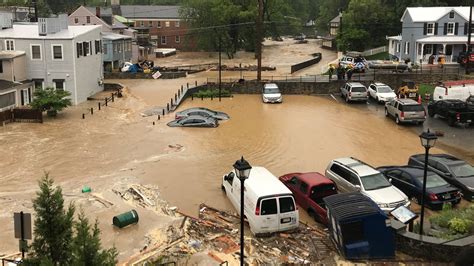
[
  {"x": 201, "y": 111},
  {"x": 194, "y": 121}
]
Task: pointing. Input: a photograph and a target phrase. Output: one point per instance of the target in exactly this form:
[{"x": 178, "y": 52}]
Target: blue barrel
[{"x": 126, "y": 218}]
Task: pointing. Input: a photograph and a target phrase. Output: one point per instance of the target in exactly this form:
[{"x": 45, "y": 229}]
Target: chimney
[{"x": 97, "y": 11}]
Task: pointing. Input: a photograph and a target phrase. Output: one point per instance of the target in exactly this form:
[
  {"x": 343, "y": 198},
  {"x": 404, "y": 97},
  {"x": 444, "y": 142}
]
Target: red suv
[{"x": 309, "y": 190}]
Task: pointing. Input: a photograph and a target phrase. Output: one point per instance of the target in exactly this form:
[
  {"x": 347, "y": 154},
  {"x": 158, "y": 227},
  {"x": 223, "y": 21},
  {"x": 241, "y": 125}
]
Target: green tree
[
  {"x": 53, "y": 232},
  {"x": 86, "y": 245},
  {"x": 51, "y": 100}
]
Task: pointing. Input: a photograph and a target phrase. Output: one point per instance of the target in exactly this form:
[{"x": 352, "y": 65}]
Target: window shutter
[
  {"x": 84, "y": 50},
  {"x": 456, "y": 26},
  {"x": 425, "y": 26},
  {"x": 29, "y": 95},
  {"x": 445, "y": 31},
  {"x": 465, "y": 28},
  {"x": 436, "y": 29},
  {"x": 22, "y": 96},
  {"x": 78, "y": 50}
]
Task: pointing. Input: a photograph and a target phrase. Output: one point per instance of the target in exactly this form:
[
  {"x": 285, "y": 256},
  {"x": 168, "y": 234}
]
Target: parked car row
[
  {"x": 198, "y": 117},
  {"x": 271, "y": 203}
]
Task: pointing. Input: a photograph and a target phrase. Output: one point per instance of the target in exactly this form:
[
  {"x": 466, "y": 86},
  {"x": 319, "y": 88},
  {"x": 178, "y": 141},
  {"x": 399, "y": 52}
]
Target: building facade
[
  {"x": 430, "y": 31},
  {"x": 117, "y": 49},
  {"x": 15, "y": 89},
  {"x": 59, "y": 56}
]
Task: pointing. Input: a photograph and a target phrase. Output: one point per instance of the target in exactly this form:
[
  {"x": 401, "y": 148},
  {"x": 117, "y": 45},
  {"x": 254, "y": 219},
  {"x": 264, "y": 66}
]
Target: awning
[
  {"x": 444, "y": 39},
  {"x": 123, "y": 19},
  {"x": 395, "y": 38}
]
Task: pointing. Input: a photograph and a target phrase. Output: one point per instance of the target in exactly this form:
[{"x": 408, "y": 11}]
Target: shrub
[
  {"x": 207, "y": 93},
  {"x": 51, "y": 100},
  {"x": 458, "y": 225}
]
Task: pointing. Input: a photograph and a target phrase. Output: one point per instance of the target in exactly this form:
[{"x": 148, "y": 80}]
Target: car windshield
[
  {"x": 375, "y": 181},
  {"x": 384, "y": 89},
  {"x": 272, "y": 90},
  {"x": 433, "y": 181},
  {"x": 358, "y": 89},
  {"x": 205, "y": 109},
  {"x": 413, "y": 108},
  {"x": 462, "y": 170}
]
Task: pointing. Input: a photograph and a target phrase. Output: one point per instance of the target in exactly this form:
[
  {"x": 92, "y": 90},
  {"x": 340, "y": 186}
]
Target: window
[
  {"x": 57, "y": 52},
  {"x": 176, "y": 24},
  {"x": 269, "y": 206},
  {"x": 1, "y": 66},
  {"x": 86, "y": 48},
  {"x": 450, "y": 28},
  {"x": 76, "y": 20},
  {"x": 405, "y": 177},
  {"x": 230, "y": 177},
  {"x": 10, "y": 45},
  {"x": 163, "y": 39},
  {"x": 59, "y": 84},
  {"x": 150, "y": 24},
  {"x": 35, "y": 52},
  {"x": 7, "y": 99},
  {"x": 158, "y": 24},
  {"x": 167, "y": 24},
  {"x": 79, "y": 49},
  {"x": 97, "y": 46},
  {"x": 303, "y": 187},
  {"x": 88, "y": 19},
  {"x": 104, "y": 48},
  {"x": 337, "y": 170},
  {"x": 177, "y": 39},
  {"x": 428, "y": 49},
  {"x": 286, "y": 204},
  {"x": 142, "y": 23},
  {"x": 451, "y": 14},
  {"x": 407, "y": 47},
  {"x": 38, "y": 84},
  {"x": 430, "y": 29}
]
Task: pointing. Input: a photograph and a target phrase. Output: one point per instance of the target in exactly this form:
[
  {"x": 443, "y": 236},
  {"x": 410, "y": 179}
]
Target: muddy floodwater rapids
[{"x": 117, "y": 146}]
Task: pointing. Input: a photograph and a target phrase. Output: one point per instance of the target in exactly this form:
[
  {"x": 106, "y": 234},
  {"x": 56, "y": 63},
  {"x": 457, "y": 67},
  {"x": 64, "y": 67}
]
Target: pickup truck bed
[{"x": 454, "y": 111}]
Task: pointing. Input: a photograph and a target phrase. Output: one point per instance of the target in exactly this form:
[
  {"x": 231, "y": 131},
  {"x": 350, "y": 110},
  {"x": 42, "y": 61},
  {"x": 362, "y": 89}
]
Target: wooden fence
[
  {"x": 6, "y": 117},
  {"x": 27, "y": 115}
]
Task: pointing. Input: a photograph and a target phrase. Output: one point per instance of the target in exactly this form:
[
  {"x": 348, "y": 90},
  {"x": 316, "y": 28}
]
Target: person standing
[{"x": 331, "y": 70}]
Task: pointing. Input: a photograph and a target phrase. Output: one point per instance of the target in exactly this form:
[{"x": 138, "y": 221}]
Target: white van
[
  {"x": 454, "y": 90},
  {"x": 269, "y": 204}
]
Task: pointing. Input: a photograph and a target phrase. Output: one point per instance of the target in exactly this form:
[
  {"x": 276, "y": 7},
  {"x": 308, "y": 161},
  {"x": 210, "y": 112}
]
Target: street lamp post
[
  {"x": 428, "y": 140},
  {"x": 242, "y": 171}
]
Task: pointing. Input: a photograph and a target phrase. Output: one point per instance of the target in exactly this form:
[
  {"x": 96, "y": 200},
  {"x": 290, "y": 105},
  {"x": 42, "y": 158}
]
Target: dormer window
[{"x": 451, "y": 14}]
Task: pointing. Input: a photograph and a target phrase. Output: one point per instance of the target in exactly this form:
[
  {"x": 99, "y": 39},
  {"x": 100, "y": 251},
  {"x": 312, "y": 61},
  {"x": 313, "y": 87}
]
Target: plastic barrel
[{"x": 125, "y": 219}]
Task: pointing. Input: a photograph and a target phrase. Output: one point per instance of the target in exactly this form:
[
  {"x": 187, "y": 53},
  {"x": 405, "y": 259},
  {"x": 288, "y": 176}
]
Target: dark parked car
[
  {"x": 409, "y": 179},
  {"x": 202, "y": 112},
  {"x": 454, "y": 111},
  {"x": 194, "y": 121},
  {"x": 309, "y": 190},
  {"x": 455, "y": 171}
]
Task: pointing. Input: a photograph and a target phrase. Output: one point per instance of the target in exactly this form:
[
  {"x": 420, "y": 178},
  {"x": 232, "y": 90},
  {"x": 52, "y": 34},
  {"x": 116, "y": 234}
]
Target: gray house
[
  {"x": 59, "y": 56},
  {"x": 430, "y": 31},
  {"x": 117, "y": 50}
]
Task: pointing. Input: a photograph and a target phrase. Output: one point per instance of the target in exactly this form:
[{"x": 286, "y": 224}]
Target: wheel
[
  {"x": 347, "y": 99},
  {"x": 397, "y": 120},
  {"x": 451, "y": 121},
  {"x": 431, "y": 113},
  {"x": 386, "y": 112},
  {"x": 377, "y": 99},
  {"x": 415, "y": 199}
]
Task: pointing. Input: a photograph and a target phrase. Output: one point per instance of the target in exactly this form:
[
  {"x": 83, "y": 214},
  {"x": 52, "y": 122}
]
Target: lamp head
[
  {"x": 242, "y": 168},
  {"x": 428, "y": 139}
]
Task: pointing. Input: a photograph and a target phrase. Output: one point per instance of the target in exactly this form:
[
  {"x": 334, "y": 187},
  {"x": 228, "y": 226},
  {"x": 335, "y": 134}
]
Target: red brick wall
[{"x": 173, "y": 30}]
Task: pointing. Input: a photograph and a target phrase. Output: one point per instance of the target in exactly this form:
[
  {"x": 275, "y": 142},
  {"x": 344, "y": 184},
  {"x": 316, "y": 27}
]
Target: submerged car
[
  {"x": 194, "y": 121},
  {"x": 409, "y": 179},
  {"x": 201, "y": 111},
  {"x": 271, "y": 93}
]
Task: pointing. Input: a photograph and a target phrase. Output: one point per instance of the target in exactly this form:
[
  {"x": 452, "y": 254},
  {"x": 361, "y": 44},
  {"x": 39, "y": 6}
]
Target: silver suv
[
  {"x": 354, "y": 91},
  {"x": 405, "y": 110},
  {"x": 351, "y": 174}
]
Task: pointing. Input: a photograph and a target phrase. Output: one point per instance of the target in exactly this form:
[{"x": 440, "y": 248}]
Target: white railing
[{"x": 377, "y": 50}]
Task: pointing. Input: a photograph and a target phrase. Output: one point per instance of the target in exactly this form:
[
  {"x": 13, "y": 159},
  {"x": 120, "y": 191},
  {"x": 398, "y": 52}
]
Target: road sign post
[{"x": 22, "y": 226}]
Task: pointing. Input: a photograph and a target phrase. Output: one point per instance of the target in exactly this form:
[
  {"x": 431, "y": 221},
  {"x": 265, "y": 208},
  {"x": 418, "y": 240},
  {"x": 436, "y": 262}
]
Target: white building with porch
[{"x": 430, "y": 31}]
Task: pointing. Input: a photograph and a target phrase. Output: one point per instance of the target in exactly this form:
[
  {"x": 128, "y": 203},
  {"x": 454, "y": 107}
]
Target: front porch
[{"x": 435, "y": 46}]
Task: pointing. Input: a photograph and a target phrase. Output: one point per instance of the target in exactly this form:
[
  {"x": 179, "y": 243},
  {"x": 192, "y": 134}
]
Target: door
[
  {"x": 407, "y": 185},
  {"x": 25, "y": 97},
  {"x": 269, "y": 214},
  {"x": 287, "y": 217},
  {"x": 228, "y": 184}
]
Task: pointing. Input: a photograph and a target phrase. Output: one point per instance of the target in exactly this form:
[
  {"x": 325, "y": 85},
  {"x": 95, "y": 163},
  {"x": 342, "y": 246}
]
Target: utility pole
[
  {"x": 258, "y": 43},
  {"x": 469, "y": 32}
]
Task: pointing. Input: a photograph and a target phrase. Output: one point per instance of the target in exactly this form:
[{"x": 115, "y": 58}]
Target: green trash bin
[{"x": 126, "y": 218}]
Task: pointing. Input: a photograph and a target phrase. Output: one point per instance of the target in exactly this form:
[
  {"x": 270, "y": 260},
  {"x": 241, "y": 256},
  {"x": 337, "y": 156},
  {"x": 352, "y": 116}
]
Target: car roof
[
  {"x": 199, "y": 117},
  {"x": 195, "y": 108},
  {"x": 353, "y": 84},
  {"x": 358, "y": 166},
  {"x": 264, "y": 183},
  {"x": 379, "y": 84},
  {"x": 313, "y": 178},
  {"x": 441, "y": 157},
  {"x": 408, "y": 101},
  {"x": 412, "y": 170},
  {"x": 270, "y": 85},
  {"x": 452, "y": 101}
]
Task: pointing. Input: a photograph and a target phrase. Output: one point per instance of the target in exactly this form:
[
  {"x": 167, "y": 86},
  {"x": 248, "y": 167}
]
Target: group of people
[{"x": 342, "y": 72}]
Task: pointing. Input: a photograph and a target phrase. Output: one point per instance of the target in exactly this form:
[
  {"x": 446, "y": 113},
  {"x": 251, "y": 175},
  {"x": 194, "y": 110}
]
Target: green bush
[
  {"x": 51, "y": 100},
  {"x": 455, "y": 222},
  {"x": 208, "y": 93},
  {"x": 458, "y": 225}
]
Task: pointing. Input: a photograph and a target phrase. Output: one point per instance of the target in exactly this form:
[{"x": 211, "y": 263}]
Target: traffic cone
[{"x": 419, "y": 99}]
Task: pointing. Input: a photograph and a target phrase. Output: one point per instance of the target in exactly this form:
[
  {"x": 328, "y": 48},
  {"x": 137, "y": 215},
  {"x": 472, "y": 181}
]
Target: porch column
[
  {"x": 422, "y": 52},
  {"x": 444, "y": 48}
]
